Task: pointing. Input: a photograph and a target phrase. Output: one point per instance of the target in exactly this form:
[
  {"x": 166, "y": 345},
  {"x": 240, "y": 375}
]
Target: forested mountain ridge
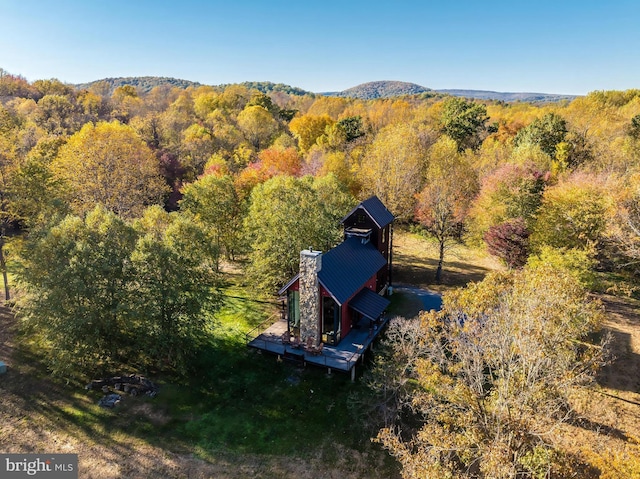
[
  {"x": 508, "y": 96},
  {"x": 364, "y": 91},
  {"x": 390, "y": 89},
  {"x": 145, "y": 83},
  {"x": 270, "y": 87}
]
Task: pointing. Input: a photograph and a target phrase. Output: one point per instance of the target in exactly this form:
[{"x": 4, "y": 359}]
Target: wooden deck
[{"x": 342, "y": 357}]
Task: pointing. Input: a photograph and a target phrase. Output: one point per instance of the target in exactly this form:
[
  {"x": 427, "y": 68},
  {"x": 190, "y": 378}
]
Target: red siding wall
[{"x": 345, "y": 310}]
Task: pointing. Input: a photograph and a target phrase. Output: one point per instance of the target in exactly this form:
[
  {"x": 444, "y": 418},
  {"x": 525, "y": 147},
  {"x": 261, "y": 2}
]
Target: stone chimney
[{"x": 310, "y": 265}]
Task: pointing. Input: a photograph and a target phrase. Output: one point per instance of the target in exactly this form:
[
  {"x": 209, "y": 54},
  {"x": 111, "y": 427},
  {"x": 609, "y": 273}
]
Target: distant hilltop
[
  {"x": 380, "y": 89},
  {"x": 365, "y": 91},
  {"x": 390, "y": 89},
  {"x": 144, "y": 84}
]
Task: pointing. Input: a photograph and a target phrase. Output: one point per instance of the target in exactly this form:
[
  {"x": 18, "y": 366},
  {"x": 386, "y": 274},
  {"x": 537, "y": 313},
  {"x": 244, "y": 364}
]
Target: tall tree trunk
[
  {"x": 3, "y": 267},
  {"x": 440, "y": 261}
]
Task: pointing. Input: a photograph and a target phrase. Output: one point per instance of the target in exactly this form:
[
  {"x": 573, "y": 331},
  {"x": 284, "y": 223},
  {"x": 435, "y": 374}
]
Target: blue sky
[{"x": 570, "y": 47}]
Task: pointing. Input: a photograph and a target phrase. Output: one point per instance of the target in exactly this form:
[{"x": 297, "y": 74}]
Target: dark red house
[{"x": 344, "y": 287}]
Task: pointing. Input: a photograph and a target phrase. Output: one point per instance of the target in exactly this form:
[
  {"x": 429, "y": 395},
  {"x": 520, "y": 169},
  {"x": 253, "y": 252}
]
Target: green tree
[
  {"x": 109, "y": 164},
  {"x": 633, "y": 130},
  {"x": 464, "y": 121},
  {"x": 489, "y": 382},
  {"x": 175, "y": 285},
  {"x": 77, "y": 300},
  {"x": 343, "y": 132},
  {"x": 213, "y": 200},
  {"x": 546, "y": 132},
  {"x": 286, "y": 215},
  {"x": 100, "y": 293},
  {"x": 8, "y": 213}
]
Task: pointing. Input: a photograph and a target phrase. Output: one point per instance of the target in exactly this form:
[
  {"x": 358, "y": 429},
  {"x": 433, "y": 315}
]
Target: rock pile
[
  {"x": 133, "y": 384},
  {"x": 110, "y": 400}
]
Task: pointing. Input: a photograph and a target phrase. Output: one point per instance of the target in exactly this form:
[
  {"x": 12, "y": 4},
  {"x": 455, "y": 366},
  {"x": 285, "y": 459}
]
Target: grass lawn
[{"x": 415, "y": 260}]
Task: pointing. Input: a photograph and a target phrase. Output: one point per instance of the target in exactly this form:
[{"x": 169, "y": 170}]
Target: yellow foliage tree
[
  {"x": 308, "y": 128},
  {"x": 258, "y": 125},
  {"x": 109, "y": 164},
  {"x": 393, "y": 168},
  {"x": 480, "y": 388}
]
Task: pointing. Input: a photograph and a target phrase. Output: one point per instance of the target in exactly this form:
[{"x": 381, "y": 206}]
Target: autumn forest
[{"x": 123, "y": 210}]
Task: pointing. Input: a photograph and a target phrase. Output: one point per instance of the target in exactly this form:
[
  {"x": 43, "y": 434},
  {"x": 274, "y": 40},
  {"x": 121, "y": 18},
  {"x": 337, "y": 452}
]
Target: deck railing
[
  {"x": 259, "y": 329},
  {"x": 330, "y": 356}
]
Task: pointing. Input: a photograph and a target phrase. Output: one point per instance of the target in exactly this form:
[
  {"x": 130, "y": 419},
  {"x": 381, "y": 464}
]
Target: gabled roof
[
  {"x": 369, "y": 304},
  {"x": 288, "y": 285},
  {"x": 348, "y": 266},
  {"x": 376, "y": 210}
]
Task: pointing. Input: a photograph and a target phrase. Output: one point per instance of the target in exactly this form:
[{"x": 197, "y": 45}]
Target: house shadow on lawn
[{"x": 420, "y": 271}]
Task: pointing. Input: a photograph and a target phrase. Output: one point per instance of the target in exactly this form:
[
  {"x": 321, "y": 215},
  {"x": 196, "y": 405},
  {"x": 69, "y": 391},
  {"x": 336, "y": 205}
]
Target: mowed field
[{"x": 38, "y": 414}]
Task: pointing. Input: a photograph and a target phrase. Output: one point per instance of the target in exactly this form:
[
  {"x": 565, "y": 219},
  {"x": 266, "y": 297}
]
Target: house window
[
  {"x": 331, "y": 319},
  {"x": 384, "y": 235},
  {"x": 361, "y": 218},
  {"x": 293, "y": 300}
]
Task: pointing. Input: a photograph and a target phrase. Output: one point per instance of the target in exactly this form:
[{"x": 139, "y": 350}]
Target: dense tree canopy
[
  {"x": 393, "y": 168},
  {"x": 100, "y": 292},
  {"x": 214, "y": 201},
  {"x": 464, "y": 121},
  {"x": 109, "y": 164},
  {"x": 547, "y": 132},
  {"x": 443, "y": 204}
]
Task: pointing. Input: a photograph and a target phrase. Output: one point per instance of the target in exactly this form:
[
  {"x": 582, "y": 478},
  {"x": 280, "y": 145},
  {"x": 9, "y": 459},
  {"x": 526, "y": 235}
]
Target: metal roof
[
  {"x": 370, "y": 304},
  {"x": 376, "y": 210},
  {"x": 348, "y": 266}
]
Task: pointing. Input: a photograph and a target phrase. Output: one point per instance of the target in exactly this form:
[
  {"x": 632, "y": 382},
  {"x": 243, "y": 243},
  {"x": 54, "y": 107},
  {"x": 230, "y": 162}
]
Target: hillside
[
  {"x": 364, "y": 91},
  {"x": 380, "y": 89},
  {"x": 145, "y": 84},
  {"x": 390, "y": 89},
  {"x": 268, "y": 87}
]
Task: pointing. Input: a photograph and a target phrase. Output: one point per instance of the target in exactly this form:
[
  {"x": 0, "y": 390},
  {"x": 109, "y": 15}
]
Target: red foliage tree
[{"x": 509, "y": 241}]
